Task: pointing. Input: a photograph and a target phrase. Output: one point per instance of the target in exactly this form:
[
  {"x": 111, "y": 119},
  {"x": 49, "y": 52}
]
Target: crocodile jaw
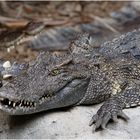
[{"x": 68, "y": 96}]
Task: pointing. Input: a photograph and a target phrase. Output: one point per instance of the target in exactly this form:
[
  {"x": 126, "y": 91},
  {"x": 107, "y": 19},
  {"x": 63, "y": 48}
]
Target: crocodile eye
[{"x": 54, "y": 72}]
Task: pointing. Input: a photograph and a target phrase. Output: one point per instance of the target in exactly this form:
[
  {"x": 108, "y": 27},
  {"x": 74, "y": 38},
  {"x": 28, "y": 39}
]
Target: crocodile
[
  {"x": 84, "y": 75},
  {"x": 12, "y": 37}
]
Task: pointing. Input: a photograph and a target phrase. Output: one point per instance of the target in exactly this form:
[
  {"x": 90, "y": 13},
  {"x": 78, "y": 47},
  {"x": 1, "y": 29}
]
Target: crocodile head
[
  {"x": 41, "y": 87},
  {"x": 49, "y": 82},
  {"x": 17, "y": 36}
]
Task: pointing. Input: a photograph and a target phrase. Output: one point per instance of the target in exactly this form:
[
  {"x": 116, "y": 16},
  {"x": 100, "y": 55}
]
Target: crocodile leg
[
  {"x": 112, "y": 108},
  {"x": 101, "y": 89}
]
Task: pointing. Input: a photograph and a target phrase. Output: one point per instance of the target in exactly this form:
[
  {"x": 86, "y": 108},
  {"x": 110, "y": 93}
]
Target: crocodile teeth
[
  {"x": 14, "y": 104},
  {"x": 25, "y": 102},
  {"x": 46, "y": 97},
  {"x": 9, "y": 102},
  {"x": 30, "y": 103}
]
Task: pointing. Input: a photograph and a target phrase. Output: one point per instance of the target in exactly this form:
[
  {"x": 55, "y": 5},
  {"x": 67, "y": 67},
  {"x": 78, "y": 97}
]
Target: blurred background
[{"x": 62, "y": 22}]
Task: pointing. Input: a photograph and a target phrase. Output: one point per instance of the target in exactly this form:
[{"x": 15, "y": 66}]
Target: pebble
[{"x": 7, "y": 64}]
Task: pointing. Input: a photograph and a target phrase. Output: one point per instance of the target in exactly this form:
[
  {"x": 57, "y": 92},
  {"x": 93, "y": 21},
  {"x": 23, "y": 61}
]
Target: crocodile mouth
[
  {"x": 14, "y": 104},
  {"x": 47, "y": 101},
  {"x": 10, "y": 104}
]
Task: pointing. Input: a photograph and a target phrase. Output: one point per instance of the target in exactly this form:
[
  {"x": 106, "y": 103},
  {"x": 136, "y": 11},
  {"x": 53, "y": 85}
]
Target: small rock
[
  {"x": 7, "y": 64},
  {"x": 7, "y": 76}
]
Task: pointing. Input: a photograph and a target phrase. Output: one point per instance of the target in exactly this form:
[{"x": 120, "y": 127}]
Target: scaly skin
[
  {"x": 84, "y": 76},
  {"x": 42, "y": 71}
]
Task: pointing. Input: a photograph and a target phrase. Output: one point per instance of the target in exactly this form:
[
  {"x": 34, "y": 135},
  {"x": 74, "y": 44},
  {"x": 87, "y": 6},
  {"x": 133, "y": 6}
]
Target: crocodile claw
[{"x": 105, "y": 114}]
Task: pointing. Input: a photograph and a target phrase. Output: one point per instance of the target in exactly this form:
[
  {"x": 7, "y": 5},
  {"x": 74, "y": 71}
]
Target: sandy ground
[{"x": 70, "y": 123}]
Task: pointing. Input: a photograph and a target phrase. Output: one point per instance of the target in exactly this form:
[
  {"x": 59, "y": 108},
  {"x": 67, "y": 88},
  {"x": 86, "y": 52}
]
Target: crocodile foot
[{"x": 110, "y": 110}]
